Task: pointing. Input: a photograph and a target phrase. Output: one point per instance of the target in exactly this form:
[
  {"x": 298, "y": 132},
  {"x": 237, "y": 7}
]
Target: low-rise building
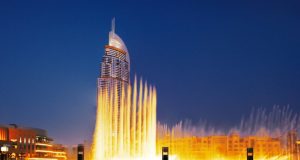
[{"x": 29, "y": 143}]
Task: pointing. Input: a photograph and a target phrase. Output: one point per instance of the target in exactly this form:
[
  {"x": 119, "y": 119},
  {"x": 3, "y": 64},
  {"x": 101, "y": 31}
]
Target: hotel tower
[
  {"x": 126, "y": 114},
  {"x": 115, "y": 67},
  {"x": 115, "y": 64}
]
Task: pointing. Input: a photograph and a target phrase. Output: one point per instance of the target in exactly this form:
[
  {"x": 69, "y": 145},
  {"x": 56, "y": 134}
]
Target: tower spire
[{"x": 113, "y": 25}]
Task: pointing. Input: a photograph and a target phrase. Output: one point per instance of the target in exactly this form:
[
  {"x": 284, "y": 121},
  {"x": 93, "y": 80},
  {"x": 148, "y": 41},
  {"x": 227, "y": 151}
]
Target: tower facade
[
  {"x": 126, "y": 114},
  {"x": 115, "y": 65},
  {"x": 114, "y": 73}
]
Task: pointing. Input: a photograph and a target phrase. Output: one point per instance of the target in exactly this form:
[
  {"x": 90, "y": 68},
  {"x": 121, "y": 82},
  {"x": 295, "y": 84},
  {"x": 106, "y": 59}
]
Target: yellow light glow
[
  {"x": 126, "y": 124},
  {"x": 187, "y": 150},
  {"x": 43, "y": 144},
  {"x": 221, "y": 147},
  {"x": 65, "y": 157},
  {"x": 4, "y": 149},
  {"x": 41, "y": 158},
  {"x": 48, "y": 151}
]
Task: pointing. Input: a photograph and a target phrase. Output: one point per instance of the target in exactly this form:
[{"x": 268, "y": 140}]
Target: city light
[
  {"x": 4, "y": 149},
  {"x": 43, "y": 144}
]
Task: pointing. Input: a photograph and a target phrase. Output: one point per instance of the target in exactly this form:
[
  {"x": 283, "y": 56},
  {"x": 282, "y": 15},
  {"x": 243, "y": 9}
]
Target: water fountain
[{"x": 134, "y": 121}]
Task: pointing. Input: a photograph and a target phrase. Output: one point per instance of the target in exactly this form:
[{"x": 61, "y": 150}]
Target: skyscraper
[
  {"x": 115, "y": 64},
  {"x": 126, "y": 115},
  {"x": 115, "y": 67}
]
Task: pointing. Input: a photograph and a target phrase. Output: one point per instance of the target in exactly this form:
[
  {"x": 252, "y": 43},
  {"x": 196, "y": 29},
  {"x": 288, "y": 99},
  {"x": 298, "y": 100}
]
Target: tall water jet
[
  {"x": 272, "y": 134},
  {"x": 136, "y": 128}
]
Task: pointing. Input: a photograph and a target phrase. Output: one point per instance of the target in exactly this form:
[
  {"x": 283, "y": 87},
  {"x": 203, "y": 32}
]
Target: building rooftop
[{"x": 116, "y": 41}]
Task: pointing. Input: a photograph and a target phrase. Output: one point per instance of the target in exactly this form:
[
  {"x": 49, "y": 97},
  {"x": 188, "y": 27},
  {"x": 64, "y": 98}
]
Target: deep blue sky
[{"x": 212, "y": 60}]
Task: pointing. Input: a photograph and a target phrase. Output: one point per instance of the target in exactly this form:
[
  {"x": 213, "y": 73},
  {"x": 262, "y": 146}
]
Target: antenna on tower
[{"x": 113, "y": 25}]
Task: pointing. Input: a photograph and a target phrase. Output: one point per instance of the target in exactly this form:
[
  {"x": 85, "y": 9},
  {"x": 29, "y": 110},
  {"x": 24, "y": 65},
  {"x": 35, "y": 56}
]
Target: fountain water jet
[
  {"x": 126, "y": 123},
  {"x": 272, "y": 132}
]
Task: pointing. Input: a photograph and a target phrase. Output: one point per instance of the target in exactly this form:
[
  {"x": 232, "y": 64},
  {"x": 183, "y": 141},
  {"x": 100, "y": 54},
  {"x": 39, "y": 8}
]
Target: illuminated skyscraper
[
  {"x": 126, "y": 114},
  {"x": 115, "y": 67},
  {"x": 115, "y": 64}
]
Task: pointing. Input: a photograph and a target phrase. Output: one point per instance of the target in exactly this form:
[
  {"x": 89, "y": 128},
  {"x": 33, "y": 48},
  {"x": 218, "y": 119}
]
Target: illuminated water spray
[
  {"x": 272, "y": 134},
  {"x": 126, "y": 123}
]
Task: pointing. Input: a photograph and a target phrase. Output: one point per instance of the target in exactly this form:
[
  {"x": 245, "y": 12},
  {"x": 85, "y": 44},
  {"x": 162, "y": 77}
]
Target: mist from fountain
[{"x": 132, "y": 114}]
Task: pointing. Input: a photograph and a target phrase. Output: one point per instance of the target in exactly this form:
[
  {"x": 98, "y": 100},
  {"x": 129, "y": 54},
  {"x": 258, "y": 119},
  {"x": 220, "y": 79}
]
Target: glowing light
[
  {"x": 4, "y": 149},
  {"x": 13, "y": 140},
  {"x": 272, "y": 135},
  {"x": 132, "y": 117},
  {"x": 42, "y": 158},
  {"x": 48, "y": 151},
  {"x": 43, "y": 144}
]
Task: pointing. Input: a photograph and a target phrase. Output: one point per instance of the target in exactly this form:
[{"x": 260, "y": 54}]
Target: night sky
[{"x": 212, "y": 60}]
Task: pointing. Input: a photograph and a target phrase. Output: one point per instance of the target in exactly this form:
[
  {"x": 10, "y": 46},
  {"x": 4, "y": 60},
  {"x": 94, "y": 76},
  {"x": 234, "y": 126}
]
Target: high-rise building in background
[
  {"x": 115, "y": 64},
  {"x": 126, "y": 114},
  {"x": 115, "y": 67}
]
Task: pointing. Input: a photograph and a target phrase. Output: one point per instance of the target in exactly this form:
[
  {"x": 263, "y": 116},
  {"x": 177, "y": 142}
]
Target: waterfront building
[{"x": 30, "y": 143}]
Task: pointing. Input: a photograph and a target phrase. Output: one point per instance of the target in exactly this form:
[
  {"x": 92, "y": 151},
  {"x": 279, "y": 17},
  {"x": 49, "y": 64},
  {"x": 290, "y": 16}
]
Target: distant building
[
  {"x": 115, "y": 65},
  {"x": 232, "y": 146},
  {"x": 115, "y": 73},
  {"x": 29, "y": 143}
]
